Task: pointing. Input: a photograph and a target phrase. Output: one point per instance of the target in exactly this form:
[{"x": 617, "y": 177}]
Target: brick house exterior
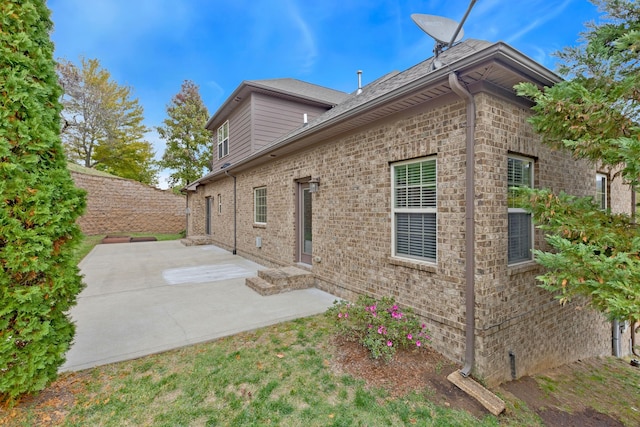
[{"x": 352, "y": 234}]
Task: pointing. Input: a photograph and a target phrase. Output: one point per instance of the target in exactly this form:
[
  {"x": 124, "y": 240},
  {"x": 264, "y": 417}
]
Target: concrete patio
[{"x": 148, "y": 297}]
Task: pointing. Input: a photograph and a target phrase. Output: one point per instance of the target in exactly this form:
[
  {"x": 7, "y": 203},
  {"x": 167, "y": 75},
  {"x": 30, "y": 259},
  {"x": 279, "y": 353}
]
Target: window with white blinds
[
  {"x": 414, "y": 209},
  {"x": 520, "y": 174}
]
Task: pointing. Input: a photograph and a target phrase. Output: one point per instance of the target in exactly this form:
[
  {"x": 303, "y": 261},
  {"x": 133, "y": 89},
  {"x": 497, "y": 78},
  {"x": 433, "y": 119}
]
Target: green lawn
[
  {"x": 278, "y": 376},
  {"x": 89, "y": 242},
  {"x": 285, "y": 375}
]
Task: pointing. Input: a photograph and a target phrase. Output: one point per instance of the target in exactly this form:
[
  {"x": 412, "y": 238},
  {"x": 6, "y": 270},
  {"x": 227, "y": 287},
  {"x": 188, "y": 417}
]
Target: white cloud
[
  {"x": 544, "y": 15},
  {"x": 212, "y": 94},
  {"x": 486, "y": 7},
  {"x": 307, "y": 51}
]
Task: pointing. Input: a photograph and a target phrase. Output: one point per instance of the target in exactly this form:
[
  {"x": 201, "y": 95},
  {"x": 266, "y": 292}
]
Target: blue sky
[{"x": 153, "y": 45}]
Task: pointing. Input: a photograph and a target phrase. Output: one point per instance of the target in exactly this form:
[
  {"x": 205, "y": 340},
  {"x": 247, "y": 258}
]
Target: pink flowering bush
[{"x": 381, "y": 326}]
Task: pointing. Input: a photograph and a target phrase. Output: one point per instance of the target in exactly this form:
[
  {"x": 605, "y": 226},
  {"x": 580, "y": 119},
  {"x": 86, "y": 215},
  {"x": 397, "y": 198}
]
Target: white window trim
[
  {"x": 255, "y": 204},
  {"x": 223, "y": 143},
  {"x": 219, "y": 204},
  {"x": 395, "y": 210},
  {"x": 521, "y": 210},
  {"x": 605, "y": 189}
]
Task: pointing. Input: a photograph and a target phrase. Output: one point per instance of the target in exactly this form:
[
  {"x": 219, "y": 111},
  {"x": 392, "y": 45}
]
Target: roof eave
[
  {"x": 225, "y": 105},
  {"x": 500, "y": 51},
  {"x": 249, "y": 86}
]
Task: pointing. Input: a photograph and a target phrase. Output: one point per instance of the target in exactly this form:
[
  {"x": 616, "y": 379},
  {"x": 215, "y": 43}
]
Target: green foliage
[
  {"x": 102, "y": 124},
  {"x": 597, "y": 254},
  {"x": 594, "y": 115},
  {"x": 188, "y": 151},
  {"x": 381, "y": 326},
  {"x": 39, "y": 205}
]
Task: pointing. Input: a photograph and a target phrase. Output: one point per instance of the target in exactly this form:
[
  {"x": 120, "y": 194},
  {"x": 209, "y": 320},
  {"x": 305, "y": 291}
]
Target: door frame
[
  {"x": 208, "y": 214},
  {"x": 302, "y": 256}
]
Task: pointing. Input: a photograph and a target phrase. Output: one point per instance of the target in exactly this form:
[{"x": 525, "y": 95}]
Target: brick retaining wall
[{"x": 117, "y": 205}]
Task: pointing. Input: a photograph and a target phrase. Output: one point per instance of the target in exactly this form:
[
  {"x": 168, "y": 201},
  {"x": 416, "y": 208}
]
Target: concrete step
[
  {"x": 261, "y": 286},
  {"x": 277, "y": 280},
  {"x": 196, "y": 240}
]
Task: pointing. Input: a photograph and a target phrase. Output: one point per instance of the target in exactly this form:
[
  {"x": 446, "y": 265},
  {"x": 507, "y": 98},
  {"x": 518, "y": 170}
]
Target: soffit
[{"x": 497, "y": 64}]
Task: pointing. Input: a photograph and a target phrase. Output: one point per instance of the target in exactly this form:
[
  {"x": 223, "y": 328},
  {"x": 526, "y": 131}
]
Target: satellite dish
[
  {"x": 445, "y": 31},
  {"x": 438, "y": 27}
]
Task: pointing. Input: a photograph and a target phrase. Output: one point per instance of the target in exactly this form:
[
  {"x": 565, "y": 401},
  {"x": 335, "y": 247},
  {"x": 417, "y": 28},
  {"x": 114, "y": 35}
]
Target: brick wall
[
  {"x": 117, "y": 205},
  {"x": 513, "y": 313},
  {"x": 352, "y": 230}
]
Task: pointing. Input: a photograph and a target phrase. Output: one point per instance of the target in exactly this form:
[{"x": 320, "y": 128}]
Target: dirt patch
[
  {"x": 564, "y": 405},
  {"x": 422, "y": 370},
  {"x": 115, "y": 239},
  {"x": 143, "y": 239},
  {"x": 51, "y": 405},
  {"x": 547, "y": 406},
  {"x": 127, "y": 239}
]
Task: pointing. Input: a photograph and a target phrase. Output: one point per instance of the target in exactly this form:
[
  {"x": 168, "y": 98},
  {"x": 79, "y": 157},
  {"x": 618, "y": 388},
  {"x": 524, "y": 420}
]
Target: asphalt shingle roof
[
  {"x": 303, "y": 89},
  {"x": 347, "y": 103},
  {"x": 393, "y": 81}
]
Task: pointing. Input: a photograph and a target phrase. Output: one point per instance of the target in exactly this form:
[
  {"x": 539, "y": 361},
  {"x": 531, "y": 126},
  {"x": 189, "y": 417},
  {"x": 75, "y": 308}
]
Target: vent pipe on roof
[
  {"x": 305, "y": 120},
  {"x": 359, "y": 91}
]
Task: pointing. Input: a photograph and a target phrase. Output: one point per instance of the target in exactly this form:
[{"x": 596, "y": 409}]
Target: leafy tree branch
[
  {"x": 595, "y": 116},
  {"x": 188, "y": 153}
]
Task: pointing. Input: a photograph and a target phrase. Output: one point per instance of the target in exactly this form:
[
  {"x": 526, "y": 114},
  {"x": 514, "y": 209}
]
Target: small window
[
  {"x": 520, "y": 174},
  {"x": 260, "y": 205},
  {"x": 602, "y": 192},
  {"x": 414, "y": 209},
  {"x": 219, "y": 204},
  {"x": 223, "y": 140},
  {"x": 207, "y": 224}
]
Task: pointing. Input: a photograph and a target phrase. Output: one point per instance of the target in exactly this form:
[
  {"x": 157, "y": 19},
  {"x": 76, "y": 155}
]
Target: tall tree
[
  {"x": 188, "y": 152},
  {"x": 102, "y": 125},
  {"x": 595, "y": 115},
  {"x": 39, "y": 204}
]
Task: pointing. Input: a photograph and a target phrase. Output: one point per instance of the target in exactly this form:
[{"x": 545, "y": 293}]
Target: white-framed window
[
  {"x": 520, "y": 174},
  {"x": 602, "y": 192},
  {"x": 260, "y": 205},
  {"x": 219, "y": 203},
  {"x": 414, "y": 205},
  {"x": 223, "y": 140}
]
